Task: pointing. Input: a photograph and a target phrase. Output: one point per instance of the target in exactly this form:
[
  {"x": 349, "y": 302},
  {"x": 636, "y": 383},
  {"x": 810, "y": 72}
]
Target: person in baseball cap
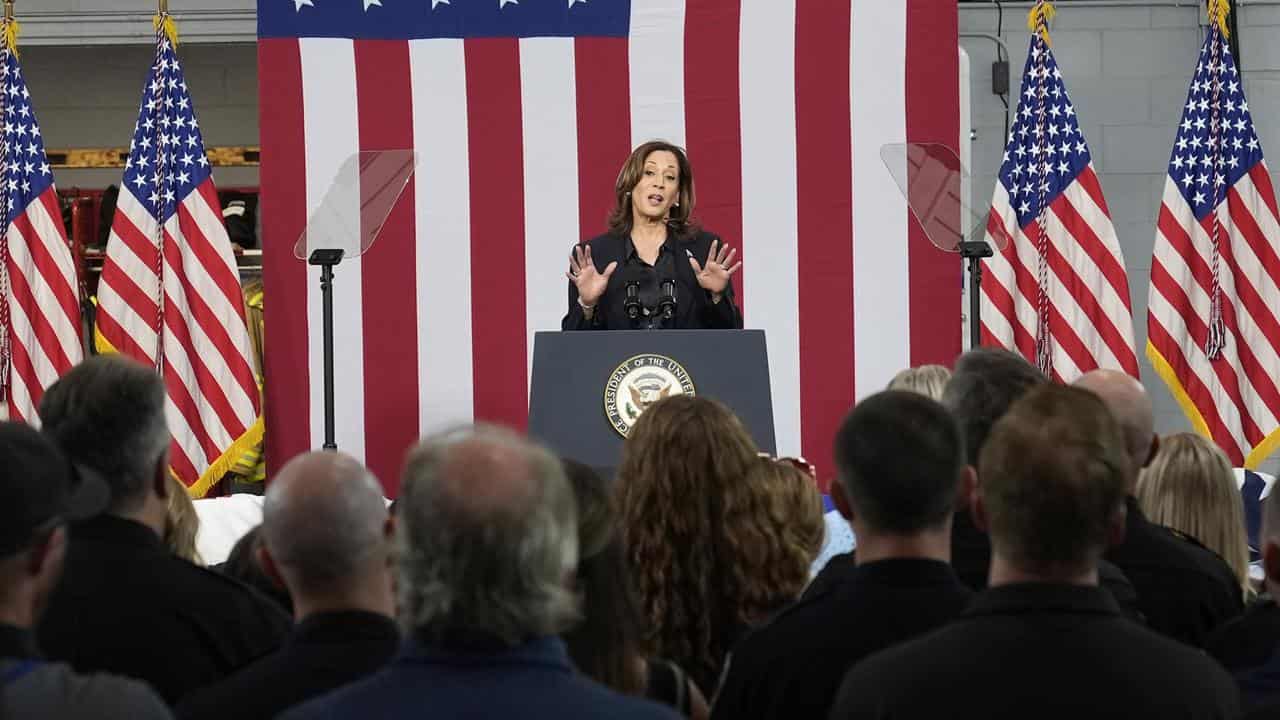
[{"x": 40, "y": 493}]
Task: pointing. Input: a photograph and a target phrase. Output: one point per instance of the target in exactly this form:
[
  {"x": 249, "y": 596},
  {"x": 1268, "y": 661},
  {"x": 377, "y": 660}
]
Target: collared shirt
[
  {"x": 532, "y": 681},
  {"x": 127, "y": 605},
  {"x": 1044, "y": 651},
  {"x": 792, "y": 667},
  {"x": 326, "y": 651},
  {"x": 648, "y": 280},
  {"x": 33, "y": 688}
]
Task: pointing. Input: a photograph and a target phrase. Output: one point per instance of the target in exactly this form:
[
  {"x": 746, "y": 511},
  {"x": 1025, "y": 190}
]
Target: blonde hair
[
  {"x": 182, "y": 524},
  {"x": 927, "y": 380},
  {"x": 1190, "y": 487}
]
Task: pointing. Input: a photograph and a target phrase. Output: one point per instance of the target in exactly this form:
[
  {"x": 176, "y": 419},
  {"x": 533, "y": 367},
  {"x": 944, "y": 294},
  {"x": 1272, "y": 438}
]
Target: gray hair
[
  {"x": 927, "y": 380},
  {"x": 487, "y": 536},
  {"x": 108, "y": 413},
  {"x": 323, "y": 520}
]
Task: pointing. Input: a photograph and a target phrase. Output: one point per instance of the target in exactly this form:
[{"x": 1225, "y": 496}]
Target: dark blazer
[
  {"x": 126, "y": 605},
  {"x": 792, "y": 667},
  {"x": 694, "y": 308},
  {"x": 326, "y": 651},
  {"x": 532, "y": 682},
  {"x": 1039, "y": 651},
  {"x": 1247, "y": 641},
  {"x": 1184, "y": 590}
]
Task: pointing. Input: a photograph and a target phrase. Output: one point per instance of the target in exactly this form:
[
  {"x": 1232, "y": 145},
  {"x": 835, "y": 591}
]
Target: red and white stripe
[
  {"x": 1235, "y": 399},
  {"x": 520, "y": 141},
  {"x": 43, "y": 303},
  {"x": 1090, "y": 316},
  {"x": 204, "y": 352}
]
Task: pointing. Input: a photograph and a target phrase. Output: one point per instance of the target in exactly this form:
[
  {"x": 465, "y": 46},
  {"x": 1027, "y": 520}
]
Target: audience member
[
  {"x": 39, "y": 494},
  {"x": 1184, "y": 591},
  {"x": 488, "y": 534},
  {"x": 1250, "y": 644},
  {"x": 679, "y": 464},
  {"x": 126, "y": 604},
  {"x": 900, "y": 462},
  {"x": 1189, "y": 487},
  {"x": 325, "y": 537},
  {"x": 927, "y": 380},
  {"x": 605, "y": 644},
  {"x": 777, "y": 509},
  {"x": 1052, "y": 497},
  {"x": 181, "y": 524},
  {"x": 244, "y": 563}
]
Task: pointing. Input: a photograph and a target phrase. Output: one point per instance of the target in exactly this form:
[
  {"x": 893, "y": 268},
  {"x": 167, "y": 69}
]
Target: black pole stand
[
  {"x": 974, "y": 252},
  {"x": 326, "y": 259}
]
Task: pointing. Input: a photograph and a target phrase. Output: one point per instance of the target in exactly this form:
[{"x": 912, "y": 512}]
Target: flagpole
[{"x": 9, "y": 33}]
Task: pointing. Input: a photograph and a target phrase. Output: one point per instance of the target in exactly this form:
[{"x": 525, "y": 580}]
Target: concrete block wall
[
  {"x": 89, "y": 96},
  {"x": 1127, "y": 69}
]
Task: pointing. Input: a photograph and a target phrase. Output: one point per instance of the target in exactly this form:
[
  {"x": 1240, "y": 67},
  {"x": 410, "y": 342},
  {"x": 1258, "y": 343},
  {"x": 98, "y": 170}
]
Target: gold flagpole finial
[
  {"x": 163, "y": 22},
  {"x": 164, "y": 7},
  {"x": 10, "y": 26},
  {"x": 8, "y": 10}
]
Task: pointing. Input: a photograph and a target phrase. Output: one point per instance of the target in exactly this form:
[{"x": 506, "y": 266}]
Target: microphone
[
  {"x": 667, "y": 302},
  {"x": 632, "y": 302}
]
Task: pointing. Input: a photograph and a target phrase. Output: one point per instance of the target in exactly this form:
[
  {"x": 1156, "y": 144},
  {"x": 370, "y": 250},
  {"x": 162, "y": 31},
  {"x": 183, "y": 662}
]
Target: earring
[{"x": 677, "y": 204}]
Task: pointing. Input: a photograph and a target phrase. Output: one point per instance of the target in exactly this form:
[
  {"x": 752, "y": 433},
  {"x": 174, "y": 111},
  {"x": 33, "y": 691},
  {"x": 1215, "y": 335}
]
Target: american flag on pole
[
  {"x": 521, "y": 113},
  {"x": 40, "y": 312},
  {"x": 1057, "y": 293},
  {"x": 1212, "y": 319},
  {"x": 167, "y": 240}
]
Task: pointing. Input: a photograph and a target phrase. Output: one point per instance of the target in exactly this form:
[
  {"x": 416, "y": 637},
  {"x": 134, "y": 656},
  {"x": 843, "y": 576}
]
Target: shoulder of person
[
  {"x": 1208, "y": 561},
  {"x": 604, "y": 242},
  {"x": 236, "y": 597},
  {"x": 99, "y": 695}
]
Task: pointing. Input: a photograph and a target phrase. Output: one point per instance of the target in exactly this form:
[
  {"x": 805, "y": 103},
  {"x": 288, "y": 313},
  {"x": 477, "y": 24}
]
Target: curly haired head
[
  {"x": 678, "y": 464},
  {"x": 774, "y": 524}
]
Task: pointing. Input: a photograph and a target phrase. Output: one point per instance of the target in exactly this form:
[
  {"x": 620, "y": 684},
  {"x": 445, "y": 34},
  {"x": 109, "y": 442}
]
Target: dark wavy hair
[
  {"x": 605, "y": 645},
  {"x": 679, "y": 464},
  {"x": 680, "y": 219}
]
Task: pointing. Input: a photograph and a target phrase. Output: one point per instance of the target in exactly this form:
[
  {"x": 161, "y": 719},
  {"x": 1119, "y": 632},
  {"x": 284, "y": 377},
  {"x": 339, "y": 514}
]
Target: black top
[
  {"x": 1039, "y": 651},
  {"x": 128, "y": 606},
  {"x": 17, "y": 643},
  {"x": 326, "y": 651},
  {"x": 1185, "y": 591},
  {"x": 694, "y": 309},
  {"x": 1249, "y": 640},
  {"x": 667, "y": 684},
  {"x": 792, "y": 667},
  {"x": 1261, "y": 684}
]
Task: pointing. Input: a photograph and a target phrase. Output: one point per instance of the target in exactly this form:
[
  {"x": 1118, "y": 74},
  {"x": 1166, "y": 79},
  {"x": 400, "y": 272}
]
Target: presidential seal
[{"x": 640, "y": 382}]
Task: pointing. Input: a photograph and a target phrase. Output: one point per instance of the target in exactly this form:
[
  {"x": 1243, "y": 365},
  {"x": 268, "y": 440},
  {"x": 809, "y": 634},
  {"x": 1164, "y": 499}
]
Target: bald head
[
  {"x": 324, "y": 521},
  {"x": 487, "y": 530},
  {"x": 1129, "y": 403}
]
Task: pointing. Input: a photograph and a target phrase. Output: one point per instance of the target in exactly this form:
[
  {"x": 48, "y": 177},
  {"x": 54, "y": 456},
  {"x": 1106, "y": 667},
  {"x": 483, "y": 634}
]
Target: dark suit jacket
[
  {"x": 694, "y": 307},
  {"x": 1247, "y": 641},
  {"x": 127, "y": 606},
  {"x": 792, "y": 667},
  {"x": 532, "y": 682},
  {"x": 1185, "y": 591},
  {"x": 1039, "y": 651},
  {"x": 326, "y": 651}
]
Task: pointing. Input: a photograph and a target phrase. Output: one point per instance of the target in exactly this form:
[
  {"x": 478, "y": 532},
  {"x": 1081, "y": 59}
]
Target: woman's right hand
[{"x": 582, "y": 272}]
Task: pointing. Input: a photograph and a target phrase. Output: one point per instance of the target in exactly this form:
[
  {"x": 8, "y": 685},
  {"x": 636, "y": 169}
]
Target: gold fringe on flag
[
  {"x": 11, "y": 28},
  {"x": 1039, "y": 18},
  {"x": 164, "y": 20},
  {"x": 1218, "y": 11}
]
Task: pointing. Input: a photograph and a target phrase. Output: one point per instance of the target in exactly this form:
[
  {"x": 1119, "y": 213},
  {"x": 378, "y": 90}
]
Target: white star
[
  {"x": 183, "y": 103},
  {"x": 372, "y": 3},
  {"x": 1024, "y": 208},
  {"x": 191, "y": 141},
  {"x": 434, "y": 3},
  {"x": 1177, "y": 161},
  {"x": 139, "y": 181},
  {"x": 504, "y": 3},
  {"x": 184, "y": 178},
  {"x": 32, "y": 149},
  {"x": 1234, "y": 162},
  {"x": 35, "y": 131},
  {"x": 299, "y": 4},
  {"x": 1202, "y": 180},
  {"x": 187, "y": 159},
  {"x": 1182, "y": 143},
  {"x": 573, "y": 2},
  {"x": 146, "y": 143},
  {"x": 1244, "y": 106},
  {"x": 154, "y": 197},
  {"x": 204, "y": 161},
  {"x": 1186, "y": 124},
  {"x": 1017, "y": 170},
  {"x": 1064, "y": 167},
  {"x": 1199, "y": 198},
  {"x": 1081, "y": 148},
  {"x": 1253, "y": 143},
  {"x": 168, "y": 196}
]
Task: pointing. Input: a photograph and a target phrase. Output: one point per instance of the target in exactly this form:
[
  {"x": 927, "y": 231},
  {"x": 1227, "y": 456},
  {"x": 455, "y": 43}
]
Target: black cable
[
  {"x": 1000, "y": 55},
  {"x": 1233, "y": 12}
]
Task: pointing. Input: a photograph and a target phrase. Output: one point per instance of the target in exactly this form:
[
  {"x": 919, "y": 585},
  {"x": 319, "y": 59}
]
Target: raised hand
[
  {"x": 582, "y": 272},
  {"x": 713, "y": 276}
]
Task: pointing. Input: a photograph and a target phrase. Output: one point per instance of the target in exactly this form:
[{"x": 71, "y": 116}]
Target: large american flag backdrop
[
  {"x": 522, "y": 112},
  {"x": 1213, "y": 318}
]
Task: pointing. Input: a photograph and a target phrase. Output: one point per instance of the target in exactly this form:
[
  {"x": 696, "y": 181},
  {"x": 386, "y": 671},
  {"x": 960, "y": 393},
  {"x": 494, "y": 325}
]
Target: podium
[{"x": 588, "y": 387}]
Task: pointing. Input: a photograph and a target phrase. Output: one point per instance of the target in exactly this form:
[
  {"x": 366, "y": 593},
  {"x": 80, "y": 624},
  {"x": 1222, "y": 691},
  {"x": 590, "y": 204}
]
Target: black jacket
[
  {"x": 326, "y": 651},
  {"x": 694, "y": 308},
  {"x": 1184, "y": 590},
  {"x": 1039, "y": 651},
  {"x": 1247, "y": 641},
  {"x": 127, "y": 606},
  {"x": 792, "y": 667}
]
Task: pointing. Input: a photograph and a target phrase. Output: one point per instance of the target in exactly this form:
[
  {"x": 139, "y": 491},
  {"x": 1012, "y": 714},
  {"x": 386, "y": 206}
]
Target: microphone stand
[
  {"x": 973, "y": 252},
  {"x": 326, "y": 259}
]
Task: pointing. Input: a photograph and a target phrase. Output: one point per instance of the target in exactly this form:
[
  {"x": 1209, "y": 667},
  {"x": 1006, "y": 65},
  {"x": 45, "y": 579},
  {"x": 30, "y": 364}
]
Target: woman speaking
[{"x": 654, "y": 268}]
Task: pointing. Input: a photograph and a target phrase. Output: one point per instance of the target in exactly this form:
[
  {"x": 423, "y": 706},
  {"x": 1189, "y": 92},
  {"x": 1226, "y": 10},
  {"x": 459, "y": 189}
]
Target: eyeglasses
[{"x": 799, "y": 463}]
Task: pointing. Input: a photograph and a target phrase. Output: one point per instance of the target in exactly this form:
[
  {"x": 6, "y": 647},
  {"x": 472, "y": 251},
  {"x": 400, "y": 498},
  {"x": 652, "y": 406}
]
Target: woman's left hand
[{"x": 713, "y": 275}]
